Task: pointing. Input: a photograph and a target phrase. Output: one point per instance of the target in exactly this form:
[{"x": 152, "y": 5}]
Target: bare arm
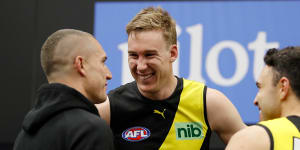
[
  {"x": 250, "y": 138},
  {"x": 104, "y": 110},
  {"x": 223, "y": 117}
]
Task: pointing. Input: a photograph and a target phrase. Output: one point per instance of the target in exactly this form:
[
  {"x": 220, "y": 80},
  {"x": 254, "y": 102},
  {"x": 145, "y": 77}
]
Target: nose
[
  {"x": 108, "y": 74},
  {"x": 141, "y": 64},
  {"x": 255, "y": 102}
]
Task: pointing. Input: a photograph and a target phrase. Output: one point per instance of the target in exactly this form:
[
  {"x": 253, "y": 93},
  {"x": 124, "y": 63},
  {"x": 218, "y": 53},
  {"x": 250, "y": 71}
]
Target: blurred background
[{"x": 221, "y": 43}]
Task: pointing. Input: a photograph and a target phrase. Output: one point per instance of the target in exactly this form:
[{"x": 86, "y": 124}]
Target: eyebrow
[
  {"x": 131, "y": 51},
  {"x": 151, "y": 51}
]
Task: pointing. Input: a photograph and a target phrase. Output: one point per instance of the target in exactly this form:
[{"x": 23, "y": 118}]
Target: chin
[
  {"x": 146, "y": 88},
  {"x": 101, "y": 99}
]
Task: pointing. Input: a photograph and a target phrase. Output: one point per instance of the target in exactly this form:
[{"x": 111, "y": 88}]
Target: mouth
[{"x": 145, "y": 76}]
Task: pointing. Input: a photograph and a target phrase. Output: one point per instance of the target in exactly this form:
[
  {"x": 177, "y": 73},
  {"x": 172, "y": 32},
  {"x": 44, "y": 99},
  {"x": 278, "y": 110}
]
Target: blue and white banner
[{"x": 221, "y": 43}]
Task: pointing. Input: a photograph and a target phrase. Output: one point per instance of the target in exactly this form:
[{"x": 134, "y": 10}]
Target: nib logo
[{"x": 188, "y": 130}]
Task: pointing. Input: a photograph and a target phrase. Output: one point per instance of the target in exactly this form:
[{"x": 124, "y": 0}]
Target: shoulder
[
  {"x": 280, "y": 126},
  {"x": 276, "y": 121},
  {"x": 214, "y": 94},
  {"x": 188, "y": 82},
  {"x": 126, "y": 88},
  {"x": 123, "y": 94},
  {"x": 252, "y": 137},
  {"x": 79, "y": 117},
  {"x": 192, "y": 87},
  {"x": 216, "y": 99}
]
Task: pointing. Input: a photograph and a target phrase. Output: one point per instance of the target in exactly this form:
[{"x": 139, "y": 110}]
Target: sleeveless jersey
[
  {"x": 176, "y": 123},
  {"x": 283, "y": 132}
]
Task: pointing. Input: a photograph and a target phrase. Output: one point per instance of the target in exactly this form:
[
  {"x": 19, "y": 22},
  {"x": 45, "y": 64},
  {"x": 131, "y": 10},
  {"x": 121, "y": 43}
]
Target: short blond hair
[{"x": 154, "y": 19}]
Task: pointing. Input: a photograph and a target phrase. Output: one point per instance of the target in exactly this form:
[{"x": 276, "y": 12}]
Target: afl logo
[{"x": 136, "y": 134}]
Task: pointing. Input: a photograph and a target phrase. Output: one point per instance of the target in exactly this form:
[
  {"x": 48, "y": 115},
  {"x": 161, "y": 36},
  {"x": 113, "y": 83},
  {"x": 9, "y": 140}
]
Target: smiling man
[
  {"x": 160, "y": 110},
  {"x": 278, "y": 100}
]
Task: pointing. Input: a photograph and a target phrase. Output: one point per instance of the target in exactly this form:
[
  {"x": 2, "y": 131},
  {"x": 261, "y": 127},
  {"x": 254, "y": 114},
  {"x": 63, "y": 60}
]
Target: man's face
[
  {"x": 97, "y": 74},
  {"x": 267, "y": 98},
  {"x": 150, "y": 60}
]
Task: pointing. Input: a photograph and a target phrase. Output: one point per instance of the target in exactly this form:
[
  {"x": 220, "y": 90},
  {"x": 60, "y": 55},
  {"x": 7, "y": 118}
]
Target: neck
[
  {"x": 291, "y": 107},
  {"x": 75, "y": 84}
]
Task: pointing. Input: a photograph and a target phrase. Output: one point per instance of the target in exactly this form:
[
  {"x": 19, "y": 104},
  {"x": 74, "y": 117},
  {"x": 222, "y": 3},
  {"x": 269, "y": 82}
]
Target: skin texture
[
  {"x": 81, "y": 66},
  {"x": 97, "y": 74},
  {"x": 150, "y": 61},
  {"x": 267, "y": 97},
  {"x": 273, "y": 101},
  {"x": 250, "y": 138}
]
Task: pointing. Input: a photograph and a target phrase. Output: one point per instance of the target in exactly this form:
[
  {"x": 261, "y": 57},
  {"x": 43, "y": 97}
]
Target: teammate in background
[
  {"x": 160, "y": 110},
  {"x": 64, "y": 116},
  {"x": 278, "y": 100}
]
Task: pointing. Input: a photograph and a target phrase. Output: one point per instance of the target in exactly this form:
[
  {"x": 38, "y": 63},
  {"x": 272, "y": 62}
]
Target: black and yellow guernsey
[
  {"x": 176, "y": 123},
  {"x": 284, "y": 132}
]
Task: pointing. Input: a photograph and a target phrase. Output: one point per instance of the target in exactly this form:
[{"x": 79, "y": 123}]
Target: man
[
  {"x": 64, "y": 116},
  {"x": 159, "y": 110},
  {"x": 278, "y": 100}
]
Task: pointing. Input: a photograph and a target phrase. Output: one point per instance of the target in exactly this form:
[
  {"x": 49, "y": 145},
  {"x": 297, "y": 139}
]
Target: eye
[
  {"x": 149, "y": 54},
  {"x": 132, "y": 55}
]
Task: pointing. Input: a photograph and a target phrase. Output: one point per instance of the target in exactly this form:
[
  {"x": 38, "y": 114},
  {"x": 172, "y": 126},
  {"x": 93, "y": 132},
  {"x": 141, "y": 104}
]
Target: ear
[
  {"x": 284, "y": 85},
  {"x": 79, "y": 65},
  {"x": 173, "y": 52}
]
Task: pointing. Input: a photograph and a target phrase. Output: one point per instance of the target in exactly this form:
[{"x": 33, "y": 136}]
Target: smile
[{"x": 145, "y": 77}]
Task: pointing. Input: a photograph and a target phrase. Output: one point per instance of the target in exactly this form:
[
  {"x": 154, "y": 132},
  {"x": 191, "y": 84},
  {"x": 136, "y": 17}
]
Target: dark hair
[{"x": 285, "y": 63}]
